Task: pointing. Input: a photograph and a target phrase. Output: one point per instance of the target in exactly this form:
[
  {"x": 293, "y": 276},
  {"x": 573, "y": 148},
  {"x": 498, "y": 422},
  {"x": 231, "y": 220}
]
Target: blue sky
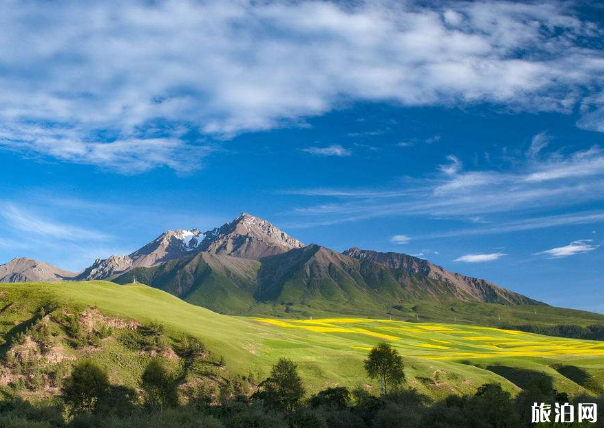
[{"x": 467, "y": 133}]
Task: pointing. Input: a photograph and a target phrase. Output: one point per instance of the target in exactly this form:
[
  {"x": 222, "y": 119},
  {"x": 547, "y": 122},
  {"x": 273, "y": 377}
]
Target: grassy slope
[
  {"x": 305, "y": 290},
  {"x": 456, "y": 358}
]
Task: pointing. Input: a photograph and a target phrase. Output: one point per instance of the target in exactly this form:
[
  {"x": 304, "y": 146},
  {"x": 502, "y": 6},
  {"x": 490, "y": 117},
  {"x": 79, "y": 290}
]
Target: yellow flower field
[{"x": 442, "y": 342}]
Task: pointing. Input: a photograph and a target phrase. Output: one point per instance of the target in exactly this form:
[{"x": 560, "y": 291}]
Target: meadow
[{"x": 440, "y": 359}]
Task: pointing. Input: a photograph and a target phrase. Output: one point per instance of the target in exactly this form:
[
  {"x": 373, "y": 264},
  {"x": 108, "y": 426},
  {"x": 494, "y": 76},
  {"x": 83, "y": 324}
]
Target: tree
[
  {"x": 493, "y": 407},
  {"x": 337, "y": 398},
  {"x": 385, "y": 364},
  {"x": 87, "y": 385},
  {"x": 283, "y": 389},
  {"x": 159, "y": 386}
]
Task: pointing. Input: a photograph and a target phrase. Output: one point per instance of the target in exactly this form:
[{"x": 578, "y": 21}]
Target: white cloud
[
  {"x": 333, "y": 150},
  {"x": 575, "y": 247},
  {"x": 532, "y": 223},
  {"x": 433, "y": 139},
  {"x": 453, "y": 167},
  {"x": 585, "y": 163},
  {"x": 479, "y": 258},
  {"x": 538, "y": 143},
  {"x": 493, "y": 200},
  {"x": 95, "y": 69},
  {"x": 127, "y": 156},
  {"x": 405, "y": 144},
  {"x": 33, "y": 226},
  {"x": 400, "y": 239}
]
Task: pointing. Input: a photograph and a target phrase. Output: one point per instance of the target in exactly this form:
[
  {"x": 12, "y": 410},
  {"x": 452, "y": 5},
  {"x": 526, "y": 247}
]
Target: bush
[
  {"x": 183, "y": 417},
  {"x": 337, "y": 398},
  {"x": 343, "y": 419},
  {"x": 189, "y": 347},
  {"x": 256, "y": 419},
  {"x": 159, "y": 386},
  {"x": 12, "y": 421},
  {"x": 87, "y": 384},
  {"x": 306, "y": 419}
]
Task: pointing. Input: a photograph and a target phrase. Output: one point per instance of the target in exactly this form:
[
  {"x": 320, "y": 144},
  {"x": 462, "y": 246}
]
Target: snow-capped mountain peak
[
  {"x": 191, "y": 239},
  {"x": 246, "y": 237}
]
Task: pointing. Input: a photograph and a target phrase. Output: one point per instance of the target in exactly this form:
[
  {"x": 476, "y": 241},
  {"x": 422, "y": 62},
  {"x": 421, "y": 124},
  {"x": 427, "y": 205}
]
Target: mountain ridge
[
  {"x": 247, "y": 237},
  {"x": 406, "y": 264},
  {"x": 316, "y": 279},
  {"x": 23, "y": 269},
  {"x": 248, "y": 266}
]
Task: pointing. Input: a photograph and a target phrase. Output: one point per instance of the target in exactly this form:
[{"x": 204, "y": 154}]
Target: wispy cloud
[
  {"x": 538, "y": 143},
  {"x": 333, "y": 150},
  {"x": 575, "y": 247},
  {"x": 504, "y": 200},
  {"x": 581, "y": 164},
  {"x": 366, "y": 133},
  {"x": 129, "y": 155},
  {"x": 413, "y": 141},
  {"x": 224, "y": 68},
  {"x": 33, "y": 226},
  {"x": 479, "y": 258},
  {"x": 400, "y": 239},
  {"x": 433, "y": 139},
  {"x": 453, "y": 167},
  {"x": 532, "y": 223}
]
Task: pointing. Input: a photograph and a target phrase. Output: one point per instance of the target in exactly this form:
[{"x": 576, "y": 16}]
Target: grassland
[{"x": 440, "y": 359}]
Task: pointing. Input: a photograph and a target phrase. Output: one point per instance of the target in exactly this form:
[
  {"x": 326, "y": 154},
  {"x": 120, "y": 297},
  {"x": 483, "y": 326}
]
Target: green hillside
[
  {"x": 317, "y": 282},
  {"x": 439, "y": 358}
]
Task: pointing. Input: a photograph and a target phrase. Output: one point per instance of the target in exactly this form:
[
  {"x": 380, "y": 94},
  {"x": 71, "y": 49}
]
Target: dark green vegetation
[
  {"x": 278, "y": 402},
  {"x": 317, "y": 282},
  {"x": 590, "y": 332}
]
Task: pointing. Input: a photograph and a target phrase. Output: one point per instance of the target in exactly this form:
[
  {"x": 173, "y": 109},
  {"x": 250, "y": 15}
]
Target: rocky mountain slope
[
  {"x": 24, "y": 269},
  {"x": 248, "y": 237},
  {"x": 245, "y": 237},
  {"x": 170, "y": 245},
  {"x": 406, "y": 268},
  {"x": 315, "y": 279}
]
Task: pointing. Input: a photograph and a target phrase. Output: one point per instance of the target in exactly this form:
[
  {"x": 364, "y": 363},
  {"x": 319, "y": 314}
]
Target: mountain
[
  {"x": 248, "y": 267},
  {"x": 407, "y": 268},
  {"x": 170, "y": 245},
  {"x": 24, "y": 269},
  {"x": 316, "y": 280},
  {"x": 246, "y": 237}
]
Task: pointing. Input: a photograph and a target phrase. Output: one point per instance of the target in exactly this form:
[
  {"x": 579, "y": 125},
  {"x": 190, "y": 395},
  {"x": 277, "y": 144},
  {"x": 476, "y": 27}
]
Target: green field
[{"x": 440, "y": 359}]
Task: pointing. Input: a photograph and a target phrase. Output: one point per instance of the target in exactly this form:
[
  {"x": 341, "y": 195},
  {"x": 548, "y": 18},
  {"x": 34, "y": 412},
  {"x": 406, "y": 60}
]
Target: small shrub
[
  {"x": 159, "y": 386},
  {"x": 256, "y": 419},
  {"x": 337, "y": 398},
  {"x": 87, "y": 384},
  {"x": 189, "y": 347}
]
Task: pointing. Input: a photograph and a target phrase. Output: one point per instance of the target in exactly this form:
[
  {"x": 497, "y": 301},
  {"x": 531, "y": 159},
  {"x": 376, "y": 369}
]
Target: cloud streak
[
  {"x": 400, "y": 239},
  {"x": 333, "y": 150},
  {"x": 36, "y": 227},
  {"x": 574, "y": 248},
  {"x": 479, "y": 258},
  {"x": 110, "y": 82},
  {"x": 524, "y": 197}
]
